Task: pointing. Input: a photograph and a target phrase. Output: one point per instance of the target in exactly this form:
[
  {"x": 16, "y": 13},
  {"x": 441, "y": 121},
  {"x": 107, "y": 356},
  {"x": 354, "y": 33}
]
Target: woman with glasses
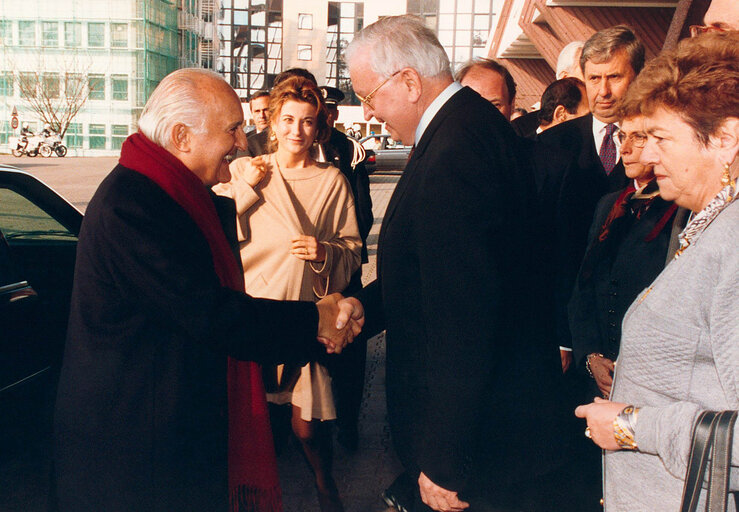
[
  {"x": 627, "y": 249},
  {"x": 679, "y": 353}
]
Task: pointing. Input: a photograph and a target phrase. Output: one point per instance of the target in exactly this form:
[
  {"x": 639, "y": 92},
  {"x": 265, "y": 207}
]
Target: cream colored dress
[{"x": 314, "y": 201}]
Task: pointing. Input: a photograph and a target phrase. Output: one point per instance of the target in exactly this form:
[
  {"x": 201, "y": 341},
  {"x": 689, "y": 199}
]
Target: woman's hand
[
  {"x": 600, "y": 415},
  {"x": 307, "y": 248},
  {"x": 252, "y": 173}
]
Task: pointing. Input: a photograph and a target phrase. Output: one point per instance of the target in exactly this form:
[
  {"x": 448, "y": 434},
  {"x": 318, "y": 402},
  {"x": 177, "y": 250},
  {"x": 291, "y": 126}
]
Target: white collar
[{"x": 434, "y": 108}]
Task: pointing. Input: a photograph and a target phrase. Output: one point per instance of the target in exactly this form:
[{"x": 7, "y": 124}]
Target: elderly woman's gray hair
[
  {"x": 398, "y": 42},
  {"x": 177, "y": 99}
]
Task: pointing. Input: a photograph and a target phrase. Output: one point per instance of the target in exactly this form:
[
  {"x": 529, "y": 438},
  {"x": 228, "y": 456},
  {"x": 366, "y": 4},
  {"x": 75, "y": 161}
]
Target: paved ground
[{"x": 361, "y": 477}]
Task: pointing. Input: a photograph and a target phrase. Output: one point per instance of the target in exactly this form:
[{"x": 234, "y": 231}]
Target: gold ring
[{"x": 587, "y": 433}]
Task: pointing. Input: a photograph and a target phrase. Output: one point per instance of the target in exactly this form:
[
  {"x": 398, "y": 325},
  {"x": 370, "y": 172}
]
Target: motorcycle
[
  {"x": 52, "y": 143},
  {"x": 26, "y": 145}
]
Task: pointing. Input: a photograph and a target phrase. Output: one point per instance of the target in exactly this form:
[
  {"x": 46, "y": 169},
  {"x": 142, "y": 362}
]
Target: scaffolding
[{"x": 121, "y": 50}]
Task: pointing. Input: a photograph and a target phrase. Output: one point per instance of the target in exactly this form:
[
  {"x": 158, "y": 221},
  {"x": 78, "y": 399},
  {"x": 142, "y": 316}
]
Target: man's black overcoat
[
  {"x": 472, "y": 381},
  {"x": 140, "y": 418}
]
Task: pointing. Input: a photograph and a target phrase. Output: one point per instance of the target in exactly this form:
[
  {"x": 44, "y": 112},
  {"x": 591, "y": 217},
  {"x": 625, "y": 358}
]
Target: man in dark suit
[
  {"x": 610, "y": 61},
  {"x": 455, "y": 272},
  {"x": 141, "y": 418}
]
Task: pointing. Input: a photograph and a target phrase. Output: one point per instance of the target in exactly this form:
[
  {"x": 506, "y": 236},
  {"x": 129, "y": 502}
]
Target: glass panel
[
  {"x": 347, "y": 9},
  {"x": 6, "y": 84},
  {"x": 119, "y": 85},
  {"x": 95, "y": 35},
  {"x": 50, "y": 85},
  {"x": 446, "y": 37},
  {"x": 347, "y": 25},
  {"x": 72, "y": 34},
  {"x": 27, "y": 33},
  {"x": 96, "y": 84},
  {"x": 27, "y": 83},
  {"x": 482, "y": 22},
  {"x": 464, "y": 5},
  {"x": 50, "y": 33},
  {"x": 304, "y": 52},
  {"x": 463, "y": 37},
  {"x": 6, "y": 32},
  {"x": 479, "y": 38},
  {"x": 483, "y": 6},
  {"x": 241, "y": 18},
  {"x": 446, "y": 21},
  {"x": 119, "y": 35},
  {"x": 446, "y": 6},
  {"x": 73, "y": 137},
  {"x": 4, "y": 132},
  {"x": 305, "y": 21},
  {"x": 464, "y": 21},
  {"x": 21, "y": 220},
  {"x": 120, "y": 132},
  {"x": 97, "y": 136}
]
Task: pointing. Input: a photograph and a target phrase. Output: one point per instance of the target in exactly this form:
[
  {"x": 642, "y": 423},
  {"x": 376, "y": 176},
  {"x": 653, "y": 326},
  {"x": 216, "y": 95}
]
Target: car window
[{"x": 22, "y": 221}]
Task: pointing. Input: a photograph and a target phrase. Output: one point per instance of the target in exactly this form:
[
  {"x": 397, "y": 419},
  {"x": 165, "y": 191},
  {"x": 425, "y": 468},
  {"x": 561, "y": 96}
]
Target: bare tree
[{"x": 55, "y": 97}]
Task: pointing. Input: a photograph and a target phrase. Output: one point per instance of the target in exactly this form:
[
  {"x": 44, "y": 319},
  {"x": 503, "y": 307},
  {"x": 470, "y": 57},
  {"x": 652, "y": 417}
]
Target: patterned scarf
[
  {"x": 252, "y": 466},
  {"x": 700, "y": 222}
]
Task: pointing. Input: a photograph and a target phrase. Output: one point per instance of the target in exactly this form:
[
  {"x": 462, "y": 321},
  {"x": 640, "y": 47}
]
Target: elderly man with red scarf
[{"x": 160, "y": 329}]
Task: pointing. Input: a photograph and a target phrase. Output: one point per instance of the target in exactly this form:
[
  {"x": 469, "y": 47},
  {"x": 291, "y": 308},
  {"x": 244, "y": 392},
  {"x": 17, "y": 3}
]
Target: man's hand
[
  {"x": 339, "y": 321},
  {"x": 600, "y": 415},
  {"x": 439, "y": 498},
  {"x": 602, "y": 370}
]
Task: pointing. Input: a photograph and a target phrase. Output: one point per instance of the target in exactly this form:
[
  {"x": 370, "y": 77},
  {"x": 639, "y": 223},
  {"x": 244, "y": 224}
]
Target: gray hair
[
  {"x": 177, "y": 99},
  {"x": 569, "y": 57},
  {"x": 603, "y": 44},
  {"x": 398, "y": 42}
]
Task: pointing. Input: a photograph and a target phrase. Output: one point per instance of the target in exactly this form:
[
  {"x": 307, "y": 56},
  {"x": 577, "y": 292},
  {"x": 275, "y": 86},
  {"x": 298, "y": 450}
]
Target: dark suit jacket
[
  {"x": 454, "y": 287},
  {"x": 579, "y": 185},
  {"x": 614, "y": 273},
  {"x": 256, "y": 144},
  {"x": 141, "y": 421},
  {"x": 526, "y": 125}
]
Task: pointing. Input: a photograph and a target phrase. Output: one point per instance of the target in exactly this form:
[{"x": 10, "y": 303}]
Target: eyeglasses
[
  {"x": 637, "y": 139},
  {"x": 696, "y": 30},
  {"x": 366, "y": 99}
]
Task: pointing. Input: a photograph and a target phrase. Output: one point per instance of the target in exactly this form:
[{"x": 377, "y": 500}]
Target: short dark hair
[
  {"x": 492, "y": 65},
  {"x": 565, "y": 92},
  {"x": 257, "y": 95},
  {"x": 605, "y": 43}
]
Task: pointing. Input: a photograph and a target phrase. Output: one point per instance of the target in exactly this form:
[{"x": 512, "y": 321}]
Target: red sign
[{"x": 14, "y": 122}]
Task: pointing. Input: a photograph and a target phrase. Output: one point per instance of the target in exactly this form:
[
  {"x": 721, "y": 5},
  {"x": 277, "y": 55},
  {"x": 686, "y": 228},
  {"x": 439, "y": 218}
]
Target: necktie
[{"x": 607, "y": 151}]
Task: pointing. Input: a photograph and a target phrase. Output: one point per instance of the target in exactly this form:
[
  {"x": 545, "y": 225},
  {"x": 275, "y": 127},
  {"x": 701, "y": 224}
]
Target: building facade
[{"x": 99, "y": 58}]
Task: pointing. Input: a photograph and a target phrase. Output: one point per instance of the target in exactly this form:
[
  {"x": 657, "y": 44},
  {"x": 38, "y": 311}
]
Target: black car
[
  {"x": 38, "y": 242},
  {"x": 384, "y": 154}
]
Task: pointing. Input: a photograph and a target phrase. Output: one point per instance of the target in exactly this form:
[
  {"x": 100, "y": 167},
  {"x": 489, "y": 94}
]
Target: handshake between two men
[{"x": 339, "y": 321}]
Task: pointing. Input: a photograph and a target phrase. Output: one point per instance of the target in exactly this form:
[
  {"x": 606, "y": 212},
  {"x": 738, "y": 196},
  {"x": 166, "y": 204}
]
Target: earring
[
  {"x": 272, "y": 136},
  {"x": 726, "y": 177}
]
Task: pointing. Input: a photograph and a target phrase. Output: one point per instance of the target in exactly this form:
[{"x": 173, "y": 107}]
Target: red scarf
[{"x": 252, "y": 467}]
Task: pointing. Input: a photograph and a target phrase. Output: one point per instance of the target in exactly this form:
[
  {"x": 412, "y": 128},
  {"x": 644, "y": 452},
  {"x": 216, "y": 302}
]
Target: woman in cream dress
[{"x": 299, "y": 240}]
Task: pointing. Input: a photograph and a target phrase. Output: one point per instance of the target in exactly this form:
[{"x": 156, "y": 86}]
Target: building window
[
  {"x": 50, "y": 33},
  {"x": 72, "y": 34},
  {"x": 344, "y": 20},
  {"x": 73, "y": 135},
  {"x": 4, "y": 132},
  {"x": 27, "y": 33},
  {"x": 305, "y": 52},
  {"x": 96, "y": 35},
  {"x": 6, "y": 84},
  {"x": 28, "y": 83},
  {"x": 119, "y": 35},
  {"x": 97, "y": 136},
  {"x": 96, "y": 84},
  {"x": 305, "y": 21},
  {"x": 119, "y": 85},
  {"x": 119, "y": 134},
  {"x": 6, "y": 32},
  {"x": 50, "y": 85}
]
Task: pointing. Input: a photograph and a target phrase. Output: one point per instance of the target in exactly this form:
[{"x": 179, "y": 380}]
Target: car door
[{"x": 38, "y": 239}]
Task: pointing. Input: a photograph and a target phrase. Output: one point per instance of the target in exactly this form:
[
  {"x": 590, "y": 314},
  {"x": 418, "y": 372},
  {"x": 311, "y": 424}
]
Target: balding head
[
  {"x": 568, "y": 61},
  {"x": 181, "y": 98}
]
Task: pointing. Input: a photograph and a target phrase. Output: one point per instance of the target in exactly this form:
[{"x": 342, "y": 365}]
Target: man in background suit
[{"x": 472, "y": 382}]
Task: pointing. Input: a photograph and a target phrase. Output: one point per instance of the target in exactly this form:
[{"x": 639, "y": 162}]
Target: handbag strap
[
  {"x": 718, "y": 483},
  {"x": 701, "y": 444}
]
